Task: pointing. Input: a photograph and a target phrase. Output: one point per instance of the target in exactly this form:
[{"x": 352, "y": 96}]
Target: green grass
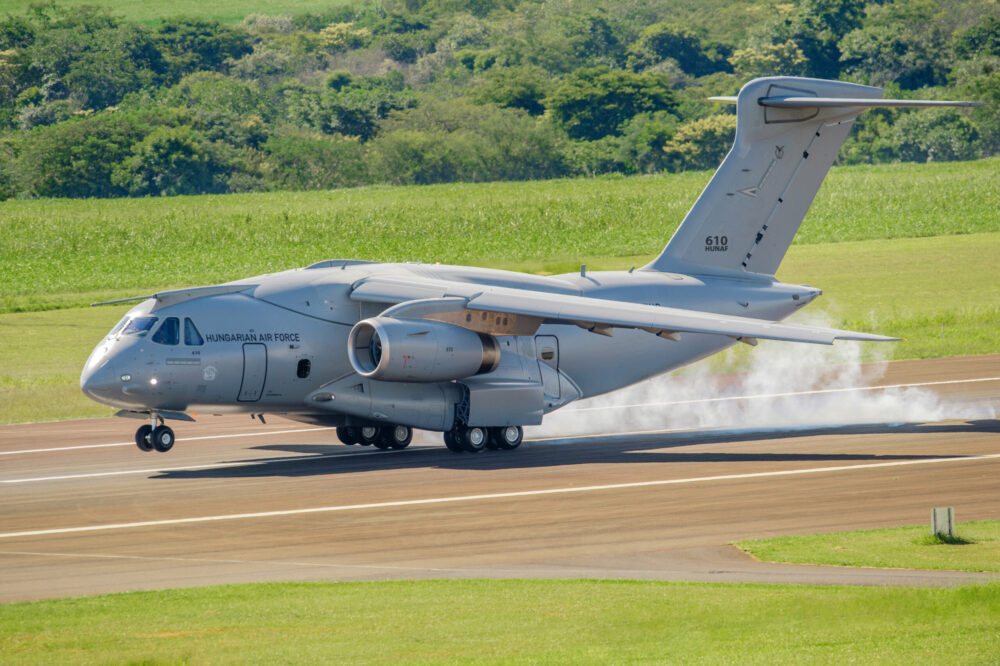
[
  {"x": 941, "y": 293},
  {"x": 901, "y": 547},
  {"x": 557, "y": 622},
  {"x": 59, "y": 253},
  {"x": 151, "y": 13}
]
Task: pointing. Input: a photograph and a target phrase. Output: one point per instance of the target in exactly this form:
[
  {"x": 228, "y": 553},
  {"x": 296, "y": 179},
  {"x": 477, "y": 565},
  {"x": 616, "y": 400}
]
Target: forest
[{"x": 432, "y": 91}]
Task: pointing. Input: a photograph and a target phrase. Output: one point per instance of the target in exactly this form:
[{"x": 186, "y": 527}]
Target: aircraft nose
[{"x": 99, "y": 382}]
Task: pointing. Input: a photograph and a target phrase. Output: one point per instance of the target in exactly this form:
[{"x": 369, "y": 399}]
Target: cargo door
[
  {"x": 547, "y": 349},
  {"x": 254, "y": 372}
]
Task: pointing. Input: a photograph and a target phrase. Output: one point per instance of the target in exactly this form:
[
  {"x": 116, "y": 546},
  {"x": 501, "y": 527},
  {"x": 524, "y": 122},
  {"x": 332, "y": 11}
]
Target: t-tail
[{"x": 788, "y": 133}]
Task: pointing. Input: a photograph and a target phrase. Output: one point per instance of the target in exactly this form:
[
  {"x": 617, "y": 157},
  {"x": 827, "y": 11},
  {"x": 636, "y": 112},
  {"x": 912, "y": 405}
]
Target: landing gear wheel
[
  {"x": 473, "y": 439},
  {"x": 348, "y": 435},
  {"x": 368, "y": 435},
  {"x": 453, "y": 444},
  {"x": 395, "y": 437},
  {"x": 142, "y": 438},
  {"x": 507, "y": 437},
  {"x": 162, "y": 438}
]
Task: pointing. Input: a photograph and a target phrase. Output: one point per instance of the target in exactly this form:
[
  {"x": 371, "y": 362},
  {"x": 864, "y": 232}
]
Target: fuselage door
[
  {"x": 547, "y": 348},
  {"x": 254, "y": 372}
]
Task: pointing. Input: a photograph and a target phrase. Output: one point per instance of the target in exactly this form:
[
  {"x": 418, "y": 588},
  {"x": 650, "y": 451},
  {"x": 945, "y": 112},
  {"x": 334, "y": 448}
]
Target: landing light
[
  {"x": 126, "y": 378},
  {"x": 153, "y": 381}
]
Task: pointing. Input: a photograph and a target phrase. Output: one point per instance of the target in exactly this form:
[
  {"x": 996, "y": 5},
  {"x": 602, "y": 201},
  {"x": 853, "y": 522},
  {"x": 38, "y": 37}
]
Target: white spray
[{"x": 788, "y": 385}]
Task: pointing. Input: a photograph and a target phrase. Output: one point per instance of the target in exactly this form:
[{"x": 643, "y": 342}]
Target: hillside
[{"x": 130, "y": 99}]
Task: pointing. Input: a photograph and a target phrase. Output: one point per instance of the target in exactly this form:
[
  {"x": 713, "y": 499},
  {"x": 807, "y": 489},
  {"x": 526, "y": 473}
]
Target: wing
[{"x": 528, "y": 309}]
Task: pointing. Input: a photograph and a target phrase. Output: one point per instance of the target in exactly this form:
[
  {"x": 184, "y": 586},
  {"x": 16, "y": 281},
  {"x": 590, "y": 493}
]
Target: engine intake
[{"x": 419, "y": 350}]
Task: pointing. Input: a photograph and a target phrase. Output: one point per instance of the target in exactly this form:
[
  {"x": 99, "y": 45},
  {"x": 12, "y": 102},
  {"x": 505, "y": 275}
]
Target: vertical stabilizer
[{"x": 746, "y": 217}]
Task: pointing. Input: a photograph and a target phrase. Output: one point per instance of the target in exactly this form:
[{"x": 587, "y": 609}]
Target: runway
[{"x": 85, "y": 512}]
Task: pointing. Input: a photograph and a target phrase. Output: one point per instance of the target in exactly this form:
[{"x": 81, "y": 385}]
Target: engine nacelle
[{"x": 419, "y": 350}]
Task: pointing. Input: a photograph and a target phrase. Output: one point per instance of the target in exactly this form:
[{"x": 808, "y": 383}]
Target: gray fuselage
[{"x": 267, "y": 349}]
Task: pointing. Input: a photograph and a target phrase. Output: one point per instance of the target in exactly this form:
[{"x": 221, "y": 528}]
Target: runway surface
[{"x": 83, "y": 511}]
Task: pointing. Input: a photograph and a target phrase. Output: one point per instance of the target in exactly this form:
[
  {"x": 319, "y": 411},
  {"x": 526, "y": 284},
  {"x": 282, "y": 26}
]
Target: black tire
[
  {"x": 396, "y": 437},
  {"x": 507, "y": 437},
  {"x": 142, "y": 439},
  {"x": 347, "y": 435},
  {"x": 162, "y": 438},
  {"x": 453, "y": 445},
  {"x": 473, "y": 439},
  {"x": 368, "y": 435}
]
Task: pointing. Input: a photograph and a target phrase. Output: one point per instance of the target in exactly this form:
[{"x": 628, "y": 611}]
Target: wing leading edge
[{"x": 594, "y": 314}]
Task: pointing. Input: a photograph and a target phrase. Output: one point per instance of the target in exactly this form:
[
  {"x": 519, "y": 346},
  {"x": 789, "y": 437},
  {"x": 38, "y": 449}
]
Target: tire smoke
[{"x": 787, "y": 386}]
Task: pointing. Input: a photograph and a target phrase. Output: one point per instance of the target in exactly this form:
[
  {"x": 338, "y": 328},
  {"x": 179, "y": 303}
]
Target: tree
[
  {"x": 665, "y": 40},
  {"x": 936, "y": 136},
  {"x": 598, "y": 101},
  {"x": 171, "y": 161},
  {"x": 818, "y": 27},
  {"x": 891, "y": 54},
  {"x": 515, "y": 87},
  {"x": 298, "y": 160},
  {"x": 76, "y": 158},
  {"x": 194, "y": 44},
  {"x": 770, "y": 60},
  {"x": 979, "y": 40},
  {"x": 701, "y": 144}
]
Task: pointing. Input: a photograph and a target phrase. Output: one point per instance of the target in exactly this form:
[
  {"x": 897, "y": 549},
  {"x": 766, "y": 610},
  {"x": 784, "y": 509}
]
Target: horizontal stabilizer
[{"x": 789, "y": 102}]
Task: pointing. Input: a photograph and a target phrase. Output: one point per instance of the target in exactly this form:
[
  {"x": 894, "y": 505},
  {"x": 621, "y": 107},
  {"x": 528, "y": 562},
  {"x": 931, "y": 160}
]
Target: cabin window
[
  {"x": 169, "y": 333},
  {"x": 139, "y": 326},
  {"x": 191, "y": 335},
  {"x": 305, "y": 366}
]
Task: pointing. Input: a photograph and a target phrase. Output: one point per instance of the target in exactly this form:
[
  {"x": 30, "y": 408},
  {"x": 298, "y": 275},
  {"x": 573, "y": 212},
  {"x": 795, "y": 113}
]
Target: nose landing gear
[{"x": 155, "y": 436}]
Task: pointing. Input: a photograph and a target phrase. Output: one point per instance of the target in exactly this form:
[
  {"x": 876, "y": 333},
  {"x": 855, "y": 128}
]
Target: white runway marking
[
  {"x": 490, "y": 496},
  {"x": 186, "y": 439}
]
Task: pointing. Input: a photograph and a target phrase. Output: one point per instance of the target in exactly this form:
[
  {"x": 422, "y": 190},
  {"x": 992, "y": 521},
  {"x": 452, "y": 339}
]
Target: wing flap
[{"x": 595, "y": 314}]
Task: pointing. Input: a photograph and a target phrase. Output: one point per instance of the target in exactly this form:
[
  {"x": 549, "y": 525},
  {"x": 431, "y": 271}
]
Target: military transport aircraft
[{"x": 379, "y": 349}]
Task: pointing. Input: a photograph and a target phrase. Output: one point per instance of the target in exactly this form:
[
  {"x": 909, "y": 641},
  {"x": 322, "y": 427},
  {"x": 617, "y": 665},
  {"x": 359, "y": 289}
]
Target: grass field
[
  {"x": 150, "y": 13},
  {"x": 537, "y": 622},
  {"x": 908, "y": 547},
  {"x": 59, "y": 253}
]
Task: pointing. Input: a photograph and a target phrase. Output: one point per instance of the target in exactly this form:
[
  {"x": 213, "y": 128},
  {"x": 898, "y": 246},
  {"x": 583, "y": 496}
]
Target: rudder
[{"x": 749, "y": 212}]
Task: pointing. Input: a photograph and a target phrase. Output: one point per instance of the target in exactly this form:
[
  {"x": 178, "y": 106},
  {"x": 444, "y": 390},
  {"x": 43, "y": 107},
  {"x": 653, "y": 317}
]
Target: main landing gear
[
  {"x": 155, "y": 436},
  {"x": 382, "y": 437},
  {"x": 474, "y": 439}
]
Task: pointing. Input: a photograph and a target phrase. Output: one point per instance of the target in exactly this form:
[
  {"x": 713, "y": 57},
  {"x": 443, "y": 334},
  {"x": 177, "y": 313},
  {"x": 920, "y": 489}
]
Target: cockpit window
[
  {"x": 191, "y": 334},
  {"x": 169, "y": 333},
  {"x": 118, "y": 327},
  {"x": 139, "y": 325}
]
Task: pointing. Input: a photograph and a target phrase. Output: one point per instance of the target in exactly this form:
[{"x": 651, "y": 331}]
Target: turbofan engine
[{"x": 419, "y": 350}]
